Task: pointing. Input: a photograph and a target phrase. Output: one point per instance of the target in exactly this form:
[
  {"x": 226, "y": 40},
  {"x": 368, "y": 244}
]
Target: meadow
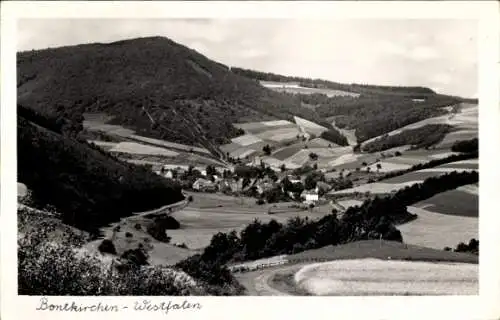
[
  {"x": 433, "y": 229},
  {"x": 382, "y": 277}
]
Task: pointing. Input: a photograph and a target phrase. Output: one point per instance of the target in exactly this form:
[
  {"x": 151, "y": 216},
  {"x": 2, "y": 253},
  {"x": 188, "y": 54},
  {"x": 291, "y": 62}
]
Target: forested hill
[
  {"x": 87, "y": 185},
  {"x": 153, "y": 85}
]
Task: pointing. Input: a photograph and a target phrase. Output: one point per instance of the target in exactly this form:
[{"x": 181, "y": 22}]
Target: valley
[{"x": 239, "y": 184}]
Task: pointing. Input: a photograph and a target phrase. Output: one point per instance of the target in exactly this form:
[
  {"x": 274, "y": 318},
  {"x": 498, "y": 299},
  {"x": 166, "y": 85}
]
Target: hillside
[
  {"x": 87, "y": 185},
  {"x": 152, "y": 85}
]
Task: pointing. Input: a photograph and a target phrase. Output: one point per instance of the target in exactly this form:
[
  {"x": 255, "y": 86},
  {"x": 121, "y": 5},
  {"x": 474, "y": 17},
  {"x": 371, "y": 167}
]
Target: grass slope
[{"x": 381, "y": 250}]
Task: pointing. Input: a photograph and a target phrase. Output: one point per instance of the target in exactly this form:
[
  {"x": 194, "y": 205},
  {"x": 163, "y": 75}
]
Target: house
[
  {"x": 204, "y": 185},
  {"x": 310, "y": 196},
  {"x": 265, "y": 186}
]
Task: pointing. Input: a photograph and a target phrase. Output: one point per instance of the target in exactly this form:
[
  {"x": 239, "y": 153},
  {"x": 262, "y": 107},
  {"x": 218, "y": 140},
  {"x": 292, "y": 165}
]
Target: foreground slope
[
  {"x": 86, "y": 184},
  {"x": 152, "y": 85}
]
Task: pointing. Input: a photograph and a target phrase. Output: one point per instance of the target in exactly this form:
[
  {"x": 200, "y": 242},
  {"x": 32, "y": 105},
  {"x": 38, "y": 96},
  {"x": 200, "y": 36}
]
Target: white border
[{"x": 484, "y": 306}]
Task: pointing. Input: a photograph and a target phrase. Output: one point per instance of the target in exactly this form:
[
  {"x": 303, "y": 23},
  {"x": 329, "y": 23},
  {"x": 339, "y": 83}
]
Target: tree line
[
  {"x": 421, "y": 137},
  {"x": 430, "y": 164}
]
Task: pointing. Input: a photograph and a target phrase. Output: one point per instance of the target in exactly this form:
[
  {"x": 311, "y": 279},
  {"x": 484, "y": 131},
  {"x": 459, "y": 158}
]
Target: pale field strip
[
  {"x": 437, "y": 230},
  {"x": 407, "y": 160},
  {"x": 345, "y": 158},
  {"x": 442, "y": 155},
  {"x": 103, "y": 143},
  {"x": 108, "y": 128},
  {"x": 447, "y": 170},
  {"x": 308, "y": 124},
  {"x": 278, "y": 134},
  {"x": 377, "y": 187},
  {"x": 246, "y": 139},
  {"x": 242, "y": 152},
  {"x": 169, "y": 144},
  {"x": 387, "y": 166},
  {"x": 138, "y": 148},
  {"x": 294, "y": 87},
  {"x": 381, "y": 277},
  {"x": 277, "y": 123},
  {"x": 142, "y": 162},
  {"x": 470, "y": 188}
]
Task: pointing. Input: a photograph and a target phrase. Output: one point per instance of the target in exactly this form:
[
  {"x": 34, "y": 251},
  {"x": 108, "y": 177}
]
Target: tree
[
  {"x": 211, "y": 170},
  {"x": 283, "y": 168},
  {"x": 313, "y": 156},
  {"x": 266, "y": 149},
  {"x": 379, "y": 166}
]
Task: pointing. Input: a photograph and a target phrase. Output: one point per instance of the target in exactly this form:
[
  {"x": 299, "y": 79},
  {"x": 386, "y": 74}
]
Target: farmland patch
[
  {"x": 138, "y": 148},
  {"x": 436, "y": 230},
  {"x": 246, "y": 139}
]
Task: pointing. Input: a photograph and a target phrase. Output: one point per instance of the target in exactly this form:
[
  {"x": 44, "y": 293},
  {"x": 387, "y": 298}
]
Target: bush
[
  {"x": 107, "y": 246},
  {"x": 135, "y": 257},
  {"x": 190, "y": 198},
  {"x": 51, "y": 269},
  {"x": 128, "y": 235},
  {"x": 260, "y": 201},
  {"x": 138, "y": 226}
]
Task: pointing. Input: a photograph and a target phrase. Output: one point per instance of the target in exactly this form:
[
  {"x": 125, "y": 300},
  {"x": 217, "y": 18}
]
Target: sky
[{"x": 440, "y": 54}]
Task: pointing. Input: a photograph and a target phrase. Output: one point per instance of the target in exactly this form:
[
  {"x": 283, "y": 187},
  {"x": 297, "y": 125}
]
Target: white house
[
  {"x": 169, "y": 174},
  {"x": 310, "y": 196}
]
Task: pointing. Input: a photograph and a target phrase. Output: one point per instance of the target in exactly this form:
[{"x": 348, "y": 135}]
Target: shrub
[
  {"x": 52, "y": 269},
  {"x": 260, "y": 201},
  {"x": 138, "y": 226},
  {"x": 128, "y": 235},
  {"x": 135, "y": 257},
  {"x": 190, "y": 198},
  {"x": 107, "y": 246}
]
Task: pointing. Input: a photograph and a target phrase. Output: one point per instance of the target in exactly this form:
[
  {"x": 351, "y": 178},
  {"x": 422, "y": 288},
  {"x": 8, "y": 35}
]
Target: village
[{"x": 254, "y": 179}]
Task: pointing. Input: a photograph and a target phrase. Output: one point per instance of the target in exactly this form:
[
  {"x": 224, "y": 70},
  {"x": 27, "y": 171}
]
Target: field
[
  {"x": 296, "y": 88},
  {"x": 380, "y": 277},
  {"x": 434, "y": 229},
  {"x": 376, "y": 187},
  {"x": 212, "y": 213},
  {"x": 143, "y": 148},
  {"x": 308, "y": 126},
  {"x": 138, "y": 148},
  {"x": 287, "y": 152}
]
